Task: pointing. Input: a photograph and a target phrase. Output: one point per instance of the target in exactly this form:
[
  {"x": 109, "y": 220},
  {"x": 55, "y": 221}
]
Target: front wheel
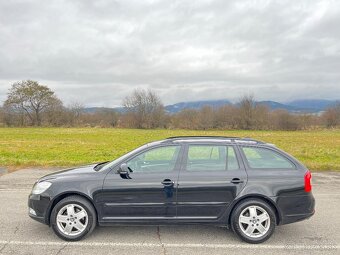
[
  {"x": 73, "y": 218},
  {"x": 253, "y": 221}
]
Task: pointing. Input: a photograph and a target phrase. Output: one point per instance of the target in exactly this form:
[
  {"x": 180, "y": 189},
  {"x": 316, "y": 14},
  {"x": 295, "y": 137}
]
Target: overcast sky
[{"x": 97, "y": 52}]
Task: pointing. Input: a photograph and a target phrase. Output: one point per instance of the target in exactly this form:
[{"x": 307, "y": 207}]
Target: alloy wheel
[
  {"x": 254, "y": 221},
  {"x": 72, "y": 219}
]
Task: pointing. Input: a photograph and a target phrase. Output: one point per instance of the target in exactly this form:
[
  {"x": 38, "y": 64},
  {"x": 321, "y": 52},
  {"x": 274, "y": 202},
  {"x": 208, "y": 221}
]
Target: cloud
[{"x": 97, "y": 52}]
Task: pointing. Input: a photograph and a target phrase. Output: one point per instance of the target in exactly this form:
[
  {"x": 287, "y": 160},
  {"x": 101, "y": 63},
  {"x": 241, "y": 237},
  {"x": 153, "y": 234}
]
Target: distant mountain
[
  {"x": 297, "y": 106},
  {"x": 218, "y": 103},
  {"x": 196, "y": 105},
  {"x": 275, "y": 105},
  {"x": 313, "y": 104}
]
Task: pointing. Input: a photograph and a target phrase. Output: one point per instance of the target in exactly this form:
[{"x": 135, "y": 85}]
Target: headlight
[{"x": 40, "y": 187}]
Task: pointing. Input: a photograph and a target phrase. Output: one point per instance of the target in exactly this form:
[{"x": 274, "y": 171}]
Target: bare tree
[
  {"x": 54, "y": 113},
  {"x": 31, "y": 99},
  {"x": 75, "y": 112},
  {"x": 283, "y": 120},
  {"x": 185, "y": 119},
  {"x": 308, "y": 120},
  {"x": 226, "y": 117},
  {"x": 261, "y": 117},
  {"x": 100, "y": 118},
  {"x": 144, "y": 109},
  {"x": 331, "y": 116},
  {"x": 206, "y": 118},
  {"x": 246, "y": 112},
  {"x": 2, "y": 116}
]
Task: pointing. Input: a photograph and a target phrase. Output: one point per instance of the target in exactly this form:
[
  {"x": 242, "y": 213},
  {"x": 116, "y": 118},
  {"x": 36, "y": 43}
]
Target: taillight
[{"x": 308, "y": 181}]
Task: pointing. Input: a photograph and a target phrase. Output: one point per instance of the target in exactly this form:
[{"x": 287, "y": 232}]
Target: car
[{"x": 240, "y": 183}]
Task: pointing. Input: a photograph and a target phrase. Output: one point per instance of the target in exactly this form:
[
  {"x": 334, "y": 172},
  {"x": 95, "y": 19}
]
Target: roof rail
[
  {"x": 233, "y": 139},
  {"x": 249, "y": 140},
  {"x": 200, "y": 137}
]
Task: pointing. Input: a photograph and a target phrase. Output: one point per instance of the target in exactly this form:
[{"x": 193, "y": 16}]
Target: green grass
[{"x": 50, "y": 147}]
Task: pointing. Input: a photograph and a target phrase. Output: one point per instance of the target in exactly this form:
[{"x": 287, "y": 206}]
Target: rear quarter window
[{"x": 262, "y": 158}]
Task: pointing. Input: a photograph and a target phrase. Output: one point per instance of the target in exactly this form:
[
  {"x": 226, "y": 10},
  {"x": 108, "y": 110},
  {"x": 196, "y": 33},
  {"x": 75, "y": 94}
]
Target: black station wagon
[{"x": 247, "y": 185}]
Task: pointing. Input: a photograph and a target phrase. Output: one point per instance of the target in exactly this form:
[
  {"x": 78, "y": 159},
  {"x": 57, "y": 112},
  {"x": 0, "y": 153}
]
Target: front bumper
[{"x": 38, "y": 208}]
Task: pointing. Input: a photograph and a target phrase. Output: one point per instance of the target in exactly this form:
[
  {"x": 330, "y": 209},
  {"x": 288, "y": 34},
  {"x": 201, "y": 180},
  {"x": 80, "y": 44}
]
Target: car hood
[{"x": 70, "y": 172}]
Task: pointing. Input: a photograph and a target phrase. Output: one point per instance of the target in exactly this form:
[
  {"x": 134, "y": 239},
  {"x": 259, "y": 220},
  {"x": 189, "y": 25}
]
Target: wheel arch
[
  {"x": 61, "y": 196},
  {"x": 270, "y": 202}
]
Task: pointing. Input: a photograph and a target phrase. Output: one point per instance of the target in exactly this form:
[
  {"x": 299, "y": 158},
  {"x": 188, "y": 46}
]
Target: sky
[{"x": 97, "y": 52}]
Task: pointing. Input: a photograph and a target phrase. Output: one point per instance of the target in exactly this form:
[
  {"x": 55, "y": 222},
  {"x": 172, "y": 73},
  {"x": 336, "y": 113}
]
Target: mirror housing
[{"x": 123, "y": 169}]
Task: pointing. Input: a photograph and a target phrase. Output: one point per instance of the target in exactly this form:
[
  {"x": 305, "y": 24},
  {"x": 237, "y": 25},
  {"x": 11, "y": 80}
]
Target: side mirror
[{"x": 123, "y": 169}]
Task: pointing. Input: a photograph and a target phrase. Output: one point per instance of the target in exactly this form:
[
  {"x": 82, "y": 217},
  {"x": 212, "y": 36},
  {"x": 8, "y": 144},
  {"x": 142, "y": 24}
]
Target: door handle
[
  {"x": 236, "y": 181},
  {"x": 168, "y": 182}
]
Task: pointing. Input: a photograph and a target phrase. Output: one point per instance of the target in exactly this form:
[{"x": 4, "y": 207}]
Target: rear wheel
[
  {"x": 253, "y": 220},
  {"x": 73, "y": 218}
]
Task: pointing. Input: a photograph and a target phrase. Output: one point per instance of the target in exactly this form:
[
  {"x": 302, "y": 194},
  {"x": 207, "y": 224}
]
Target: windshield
[{"x": 116, "y": 161}]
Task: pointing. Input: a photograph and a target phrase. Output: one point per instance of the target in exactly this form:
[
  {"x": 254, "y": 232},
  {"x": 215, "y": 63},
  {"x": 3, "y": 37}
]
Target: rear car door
[
  {"x": 210, "y": 178},
  {"x": 148, "y": 193}
]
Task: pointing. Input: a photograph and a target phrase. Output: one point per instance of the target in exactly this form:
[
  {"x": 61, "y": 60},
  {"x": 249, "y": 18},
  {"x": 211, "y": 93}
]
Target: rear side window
[
  {"x": 211, "y": 158},
  {"x": 264, "y": 158}
]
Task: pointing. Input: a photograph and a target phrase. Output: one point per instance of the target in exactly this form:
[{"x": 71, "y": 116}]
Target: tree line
[{"x": 29, "y": 103}]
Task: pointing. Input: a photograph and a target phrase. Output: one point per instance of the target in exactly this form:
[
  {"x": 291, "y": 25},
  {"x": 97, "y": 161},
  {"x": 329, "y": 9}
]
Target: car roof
[{"x": 212, "y": 139}]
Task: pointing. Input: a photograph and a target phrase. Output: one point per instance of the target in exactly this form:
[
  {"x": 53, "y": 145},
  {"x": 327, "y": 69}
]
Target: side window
[
  {"x": 162, "y": 159},
  {"x": 211, "y": 158},
  {"x": 264, "y": 158}
]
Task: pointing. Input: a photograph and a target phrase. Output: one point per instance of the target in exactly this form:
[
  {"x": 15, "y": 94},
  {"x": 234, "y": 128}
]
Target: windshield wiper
[{"x": 100, "y": 165}]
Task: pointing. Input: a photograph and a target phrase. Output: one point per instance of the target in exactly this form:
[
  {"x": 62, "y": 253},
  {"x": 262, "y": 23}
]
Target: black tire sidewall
[
  {"x": 90, "y": 212},
  {"x": 235, "y": 216}
]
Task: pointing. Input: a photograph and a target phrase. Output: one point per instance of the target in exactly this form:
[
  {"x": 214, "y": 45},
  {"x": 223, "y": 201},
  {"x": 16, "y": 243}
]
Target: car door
[
  {"x": 148, "y": 192},
  {"x": 211, "y": 177}
]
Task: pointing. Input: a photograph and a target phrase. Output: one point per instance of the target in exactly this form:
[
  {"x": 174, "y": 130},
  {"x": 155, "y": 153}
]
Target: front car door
[
  {"x": 210, "y": 178},
  {"x": 148, "y": 193}
]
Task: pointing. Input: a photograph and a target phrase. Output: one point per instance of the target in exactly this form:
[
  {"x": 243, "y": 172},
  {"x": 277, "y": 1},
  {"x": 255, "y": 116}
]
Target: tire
[
  {"x": 253, "y": 220},
  {"x": 73, "y": 224}
]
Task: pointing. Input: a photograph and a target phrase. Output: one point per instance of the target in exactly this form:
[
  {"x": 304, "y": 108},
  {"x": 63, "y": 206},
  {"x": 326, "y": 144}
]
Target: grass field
[{"x": 61, "y": 147}]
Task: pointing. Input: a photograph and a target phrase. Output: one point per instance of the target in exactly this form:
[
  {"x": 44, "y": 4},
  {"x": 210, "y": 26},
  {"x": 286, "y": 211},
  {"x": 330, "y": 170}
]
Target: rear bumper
[
  {"x": 38, "y": 207},
  {"x": 297, "y": 217},
  {"x": 295, "y": 208}
]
